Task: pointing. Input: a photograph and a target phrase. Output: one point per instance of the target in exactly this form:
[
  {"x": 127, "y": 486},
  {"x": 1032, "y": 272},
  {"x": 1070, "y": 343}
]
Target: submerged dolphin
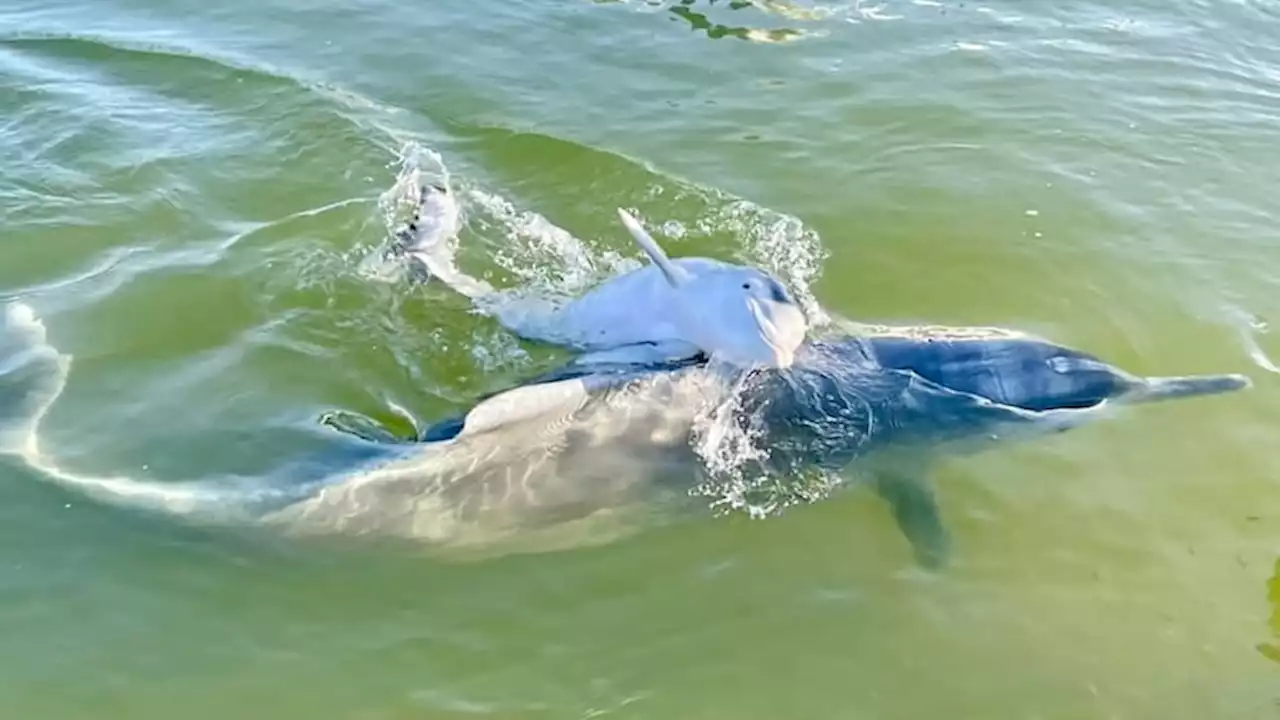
[
  {"x": 591, "y": 439},
  {"x": 609, "y": 447},
  {"x": 679, "y": 307}
]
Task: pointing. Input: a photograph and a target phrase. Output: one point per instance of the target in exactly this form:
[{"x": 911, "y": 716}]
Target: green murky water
[{"x": 186, "y": 192}]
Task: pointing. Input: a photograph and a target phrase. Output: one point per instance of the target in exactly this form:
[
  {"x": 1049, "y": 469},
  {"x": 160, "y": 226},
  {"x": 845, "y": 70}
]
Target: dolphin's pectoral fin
[
  {"x": 360, "y": 426},
  {"x": 416, "y": 270},
  {"x": 911, "y": 498},
  {"x": 644, "y": 353}
]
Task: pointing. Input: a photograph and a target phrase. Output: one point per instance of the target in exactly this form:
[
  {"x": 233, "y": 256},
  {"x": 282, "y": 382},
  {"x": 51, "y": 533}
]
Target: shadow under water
[
  {"x": 700, "y": 21},
  {"x": 1271, "y": 650}
]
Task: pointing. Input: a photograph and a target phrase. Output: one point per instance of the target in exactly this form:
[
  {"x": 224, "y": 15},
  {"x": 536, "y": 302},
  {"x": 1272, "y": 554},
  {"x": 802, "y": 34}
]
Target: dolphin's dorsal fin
[{"x": 677, "y": 276}]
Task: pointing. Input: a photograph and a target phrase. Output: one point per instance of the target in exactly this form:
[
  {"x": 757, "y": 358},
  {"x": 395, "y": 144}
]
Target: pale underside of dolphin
[
  {"x": 669, "y": 308},
  {"x": 592, "y": 451}
]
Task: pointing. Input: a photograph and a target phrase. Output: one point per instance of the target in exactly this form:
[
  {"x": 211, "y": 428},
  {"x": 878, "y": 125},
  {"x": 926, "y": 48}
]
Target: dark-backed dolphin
[
  {"x": 594, "y": 448},
  {"x": 598, "y": 437}
]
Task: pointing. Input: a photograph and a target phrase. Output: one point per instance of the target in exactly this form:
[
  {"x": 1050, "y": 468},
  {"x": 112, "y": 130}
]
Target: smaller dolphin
[
  {"x": 734, "y": 314},
  {"x": 731, "y": 313}
]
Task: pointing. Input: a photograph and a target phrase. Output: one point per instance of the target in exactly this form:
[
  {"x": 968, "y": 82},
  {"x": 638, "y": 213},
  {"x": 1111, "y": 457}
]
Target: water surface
[{"x": 188, "y": 189}]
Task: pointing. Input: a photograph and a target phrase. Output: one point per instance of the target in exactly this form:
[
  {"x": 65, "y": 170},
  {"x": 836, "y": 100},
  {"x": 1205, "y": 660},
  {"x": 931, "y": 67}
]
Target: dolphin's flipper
[
  {"x": 360, "y": 426},
  {"x": 915, "y": 508},
  {"x": 640, "y": 354}
]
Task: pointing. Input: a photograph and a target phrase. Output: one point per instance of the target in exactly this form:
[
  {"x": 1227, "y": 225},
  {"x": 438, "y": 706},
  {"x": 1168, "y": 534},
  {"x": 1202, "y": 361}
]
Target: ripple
[
  {"x": 190, "y": 210},
  {"x": 701, "y": 20},
  {"x": 99, "y": 147}
]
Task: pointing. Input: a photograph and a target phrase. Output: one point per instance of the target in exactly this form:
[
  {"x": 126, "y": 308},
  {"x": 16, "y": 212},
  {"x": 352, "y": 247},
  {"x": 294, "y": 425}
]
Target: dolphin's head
[
  {"x": 737, "y": 314},
  {"x": 743, "y": 316}
]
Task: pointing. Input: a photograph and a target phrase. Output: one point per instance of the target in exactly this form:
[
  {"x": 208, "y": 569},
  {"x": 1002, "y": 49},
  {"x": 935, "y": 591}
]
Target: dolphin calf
[
  {"x": 733, "y": 313},
  {"x": 680, "y": 307},
  {"x": 593, "y": 450}
]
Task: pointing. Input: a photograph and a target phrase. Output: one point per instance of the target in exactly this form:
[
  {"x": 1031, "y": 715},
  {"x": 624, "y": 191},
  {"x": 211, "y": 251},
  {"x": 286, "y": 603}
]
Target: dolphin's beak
[{"x": 782, "y": 329}]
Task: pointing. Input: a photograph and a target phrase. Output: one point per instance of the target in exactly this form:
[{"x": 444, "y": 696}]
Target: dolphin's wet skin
[
  {"x": 619, "y": 441},
  {"x": 675, "y": 307},
  {"x": 587, "y": 439}
]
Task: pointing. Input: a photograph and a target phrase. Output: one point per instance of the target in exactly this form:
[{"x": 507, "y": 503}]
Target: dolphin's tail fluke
[
  {"x": 1157, "y": 389},
  {"x": 430, "y": 241}
]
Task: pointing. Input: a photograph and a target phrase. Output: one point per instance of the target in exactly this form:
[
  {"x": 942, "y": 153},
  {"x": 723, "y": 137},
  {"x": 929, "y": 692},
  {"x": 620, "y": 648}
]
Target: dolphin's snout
[
  {"x": 782, "y": 330},
  {"x": 770, "y": 337}
]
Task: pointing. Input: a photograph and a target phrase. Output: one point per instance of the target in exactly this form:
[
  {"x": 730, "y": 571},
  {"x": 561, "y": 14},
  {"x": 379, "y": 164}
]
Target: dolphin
[
  {"x": 593, "y": 437},
  {"x": 593, "y": 450},
  {"x": 597, "y": 437},
  {"x": 736, "y": 314}
]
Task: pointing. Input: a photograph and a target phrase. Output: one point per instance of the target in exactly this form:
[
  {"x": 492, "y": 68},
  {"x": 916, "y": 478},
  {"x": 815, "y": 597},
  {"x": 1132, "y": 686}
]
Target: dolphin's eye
[{"x": 746, "y": 286}]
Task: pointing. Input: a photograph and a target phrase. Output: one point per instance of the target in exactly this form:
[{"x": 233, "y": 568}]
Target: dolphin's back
[
  {"x": 1020, "y": 372},
  {"x": 839, "y": 401},
  {"x": 631, "y": 436},
  {"x": 848, "y": 395},
  {"x": 605, "y": 376}
]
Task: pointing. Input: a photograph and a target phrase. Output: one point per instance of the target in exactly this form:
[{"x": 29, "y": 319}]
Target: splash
[
  {"x": 778, "y": 242},
  {"x": 537, "y": 265},
  {"x": 419, "y": 169},
  {"x": 547, "y": 265},
  {"x": 732, "y": 446}
]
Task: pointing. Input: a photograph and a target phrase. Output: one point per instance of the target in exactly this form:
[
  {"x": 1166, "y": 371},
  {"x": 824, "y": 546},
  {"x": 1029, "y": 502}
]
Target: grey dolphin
[
  {"x": 617, "y": 439},
  {"x": 606, "y": 444},
  {"x": 688, "y": 305}
]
